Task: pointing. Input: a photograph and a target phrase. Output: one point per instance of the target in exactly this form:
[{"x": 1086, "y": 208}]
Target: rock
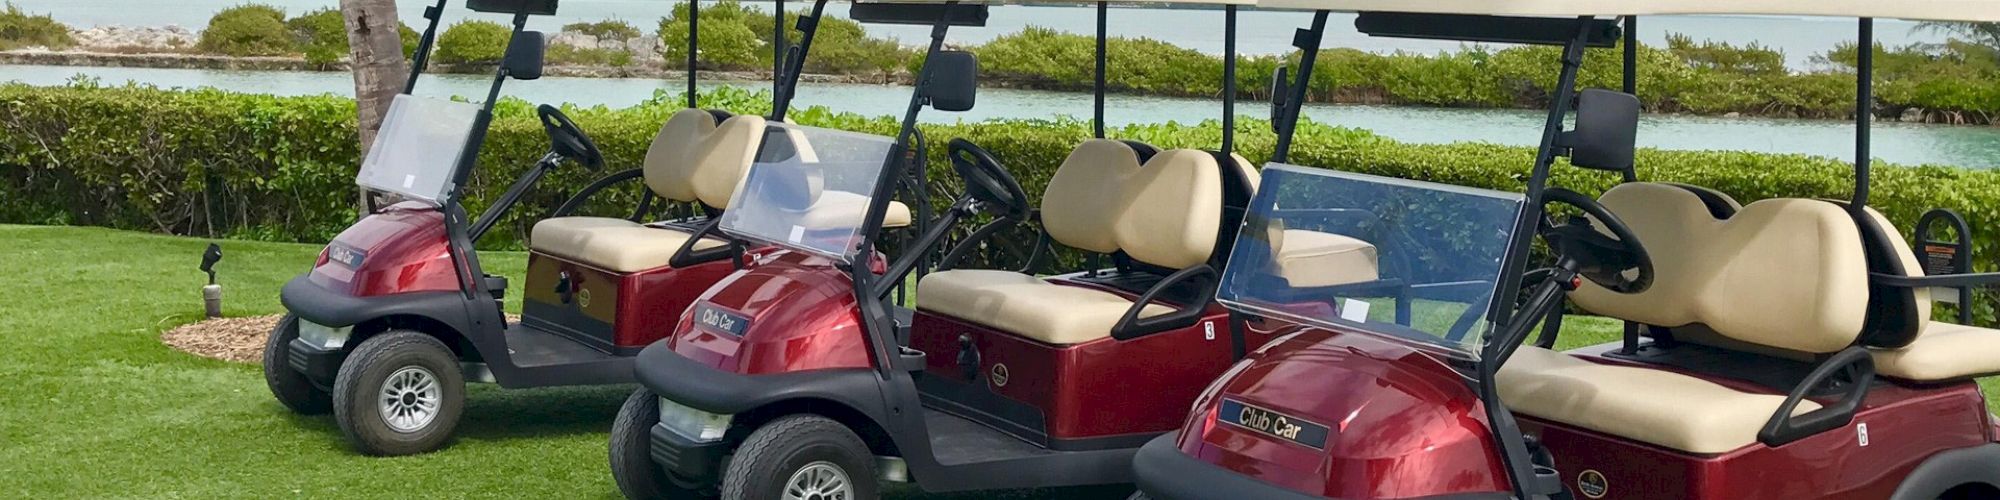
[
  {"x": 1733, "y": 114},
  {"x": 576, "y": 40},
  {"x": 125, "y": 38},
  {"x": 1912, "y": 115}
]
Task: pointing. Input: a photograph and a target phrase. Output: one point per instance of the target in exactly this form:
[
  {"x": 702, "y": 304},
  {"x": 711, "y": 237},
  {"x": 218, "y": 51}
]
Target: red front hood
[
  {"x": 801, "y": 313},
  {"x": 1400, "y": 423}
]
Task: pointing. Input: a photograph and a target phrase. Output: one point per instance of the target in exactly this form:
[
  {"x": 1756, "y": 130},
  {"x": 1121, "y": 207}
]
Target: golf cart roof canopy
[
  {"x": 1931, "y": 10},
  {"x": 530, "y": 7},
  {"x": 1125, "y": 3}
]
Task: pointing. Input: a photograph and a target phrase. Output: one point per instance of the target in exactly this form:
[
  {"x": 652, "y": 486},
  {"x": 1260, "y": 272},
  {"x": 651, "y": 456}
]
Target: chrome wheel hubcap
[
  {"x": 819, "y": 481},
  {"x": 410, "y": 399}
]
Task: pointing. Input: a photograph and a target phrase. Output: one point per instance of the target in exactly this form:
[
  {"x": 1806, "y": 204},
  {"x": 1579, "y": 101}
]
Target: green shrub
[
  {"x": 739, "y": 39},
  {"x": 248, "y": 30},
  {"x": 727, "y": 41},
  {"x": 323, "y": 36},
  {"x": 473, "y": 42},
  {"x": 610, "y": 29},
  {"x": 19, "y": 29},
  {"x": 586, "y": 56}
]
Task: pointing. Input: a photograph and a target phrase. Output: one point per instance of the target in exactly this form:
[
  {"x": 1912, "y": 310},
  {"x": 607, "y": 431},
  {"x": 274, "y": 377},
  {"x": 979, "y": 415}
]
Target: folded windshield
[
  {"x": 1411, "y": 261},
  {"x": 417, "y": 148},
  {"x": 809, "y": 190}
]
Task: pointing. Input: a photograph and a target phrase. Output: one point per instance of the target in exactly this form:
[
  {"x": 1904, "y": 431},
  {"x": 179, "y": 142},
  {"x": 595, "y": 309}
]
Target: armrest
[
  {"x": 576, "y": 202},
  {"x": 1131, "y": 326},
  {"x": 1942, "y": 281},
  {"x": 1785, "y": 427},
  {"x": 687, "y": 256}
]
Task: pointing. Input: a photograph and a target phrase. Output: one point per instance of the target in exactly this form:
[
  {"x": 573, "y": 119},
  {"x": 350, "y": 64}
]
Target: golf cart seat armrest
[
  {"x": 688, "y": 256},
  {"x": 576, "y": 202},
  {"x": 707, "y": 388},
  {"x": 1131, "y": 326},
  {"x": 1940, "y": 281},
  {"x": 1784, "y": 427}
]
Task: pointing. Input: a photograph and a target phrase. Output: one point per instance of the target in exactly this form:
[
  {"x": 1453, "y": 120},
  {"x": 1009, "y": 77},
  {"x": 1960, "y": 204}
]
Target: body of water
[
  {"x": 1900, "y": 143},
  {"x": 1261, "y": 32}
]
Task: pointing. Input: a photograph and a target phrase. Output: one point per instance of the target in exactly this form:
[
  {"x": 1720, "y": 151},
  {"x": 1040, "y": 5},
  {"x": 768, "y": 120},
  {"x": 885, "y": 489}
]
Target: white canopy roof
[{"x": 1936, "y": 10}]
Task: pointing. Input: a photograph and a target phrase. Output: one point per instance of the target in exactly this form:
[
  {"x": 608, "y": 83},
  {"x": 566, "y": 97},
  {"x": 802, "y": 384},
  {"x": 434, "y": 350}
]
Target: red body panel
[
  {"x": 639, "y": 307},
  {"x": 1406, "y": 425},
  {"x": 404, "y": 249},
  {"x": 802, "y": 314},
  {"x": 1102, "y": 388},
  {"x": 1403, "y": 424}
]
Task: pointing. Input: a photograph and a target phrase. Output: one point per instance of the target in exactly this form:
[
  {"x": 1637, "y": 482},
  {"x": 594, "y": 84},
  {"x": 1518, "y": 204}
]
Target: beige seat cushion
[
  {"x": 836, "y": 209},
  {"x": 1312, "y": 258},
  {"x": 1642, "y": 404},
  {"x": 1082, "y": 202},
  {"x": 694, "y": 158},
  {"x": 1172, "y": 209},
  {"x": 1945, "y": 351},
  {"x": 1025, "y": 305},
  {"x": 616, "y": 245}
]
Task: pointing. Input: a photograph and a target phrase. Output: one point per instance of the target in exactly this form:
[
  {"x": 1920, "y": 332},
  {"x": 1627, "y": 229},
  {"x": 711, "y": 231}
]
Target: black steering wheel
[
  {"x": 987, "y": 182},
  {"x": 1617, "y": 262},
  {"x": 567, "y": 139}
]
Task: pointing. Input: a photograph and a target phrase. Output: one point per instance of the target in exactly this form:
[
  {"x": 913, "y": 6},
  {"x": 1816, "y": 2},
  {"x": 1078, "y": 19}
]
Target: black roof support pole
[
  {"x": 781, "y": 41},
  {"x": 1229, "y": 79},
  {"x": 422, "y": 58},
  {"x": 693, "y": 47},
  {"x": 1307, "y": 41},
  {"x": 1864, "y": 109},
  {"x": 1097, "y": 86},
  {"x": 1631, "y": 83},
  {"x": 795, "y": 61}
]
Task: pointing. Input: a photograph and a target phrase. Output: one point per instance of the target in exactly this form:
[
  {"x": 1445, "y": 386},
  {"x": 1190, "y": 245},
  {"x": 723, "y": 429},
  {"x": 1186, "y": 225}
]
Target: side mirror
[
  {"x": 524, "y": 55},
  {"x": 1281, "y": 95},
  {"x": 954, "y": 80},
  {"x": 1607, "y": 130}
]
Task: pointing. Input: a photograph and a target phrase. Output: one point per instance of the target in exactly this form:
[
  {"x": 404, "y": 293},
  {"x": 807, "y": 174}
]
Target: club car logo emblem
[
  {"x": 1591, "y": 483},
  {"x": 345, "y": 255},
  {"x": 1274, "y": 424},
  {"x": 998, "y": 375},
  {"x": 583, "y": 298},
  {"x": 716, "y": 319}
]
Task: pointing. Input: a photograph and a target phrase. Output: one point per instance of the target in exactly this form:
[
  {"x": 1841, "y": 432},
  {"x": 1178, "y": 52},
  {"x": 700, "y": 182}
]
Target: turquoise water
[{"x": 1900, "y": 143}]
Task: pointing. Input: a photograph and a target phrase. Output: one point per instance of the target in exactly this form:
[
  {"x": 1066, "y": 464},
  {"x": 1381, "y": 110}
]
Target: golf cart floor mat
[
  {"x": 535, "y": 348},
  {"x": 957, "y": 441}
]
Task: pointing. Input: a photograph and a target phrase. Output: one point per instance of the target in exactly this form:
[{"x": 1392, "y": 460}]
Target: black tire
[
  {"x": 291, "y": 388},
  {"x": 357, "y": 408},
  {"x": 788, "y": 445},
  {"x": 632, "y": 466},
  {"x": 1138, "y": 495}
]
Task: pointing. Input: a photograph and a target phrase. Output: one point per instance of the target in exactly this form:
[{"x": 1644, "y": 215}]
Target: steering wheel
[
  {"x": 986, "y": 181},
  {"x": 1617, "y": 262},
  {"x": 568, "y": 140}
]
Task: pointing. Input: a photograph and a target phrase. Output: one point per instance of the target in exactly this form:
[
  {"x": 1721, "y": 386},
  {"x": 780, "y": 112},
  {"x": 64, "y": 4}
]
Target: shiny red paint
[
  {"x": 802, "y": 313},
  {"x": 1403, "y": 424},
  {"x": 647, "y": 303},
  {"x": 1097, "y": 389},
  {"x": 1906, "y": 424},
  {"x": 406, "y": 250}
]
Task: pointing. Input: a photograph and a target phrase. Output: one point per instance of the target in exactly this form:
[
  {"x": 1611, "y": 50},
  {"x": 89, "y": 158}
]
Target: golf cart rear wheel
[
  {"x": 632, "y": 465},
  {"x": 801, "y": 457},
  {"x": 399, "y": 393},
  {"x": 291, "y": 388}
]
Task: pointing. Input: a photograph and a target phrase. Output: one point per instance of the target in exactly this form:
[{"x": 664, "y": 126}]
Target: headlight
[
  {"x": 326, "y": 338},
  {"x": 691, "y": 423}
]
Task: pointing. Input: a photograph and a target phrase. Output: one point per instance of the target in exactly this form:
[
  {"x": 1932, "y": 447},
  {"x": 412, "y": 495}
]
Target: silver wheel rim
[
  {"x": 819, "y": 481},
  {"x": 410, "y": 399}
]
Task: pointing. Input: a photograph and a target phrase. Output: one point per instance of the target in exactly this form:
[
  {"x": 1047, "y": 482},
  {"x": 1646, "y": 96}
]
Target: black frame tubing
[
  {"x": 1864, "y": 105},
  {"x": 1308, "y": 42},
  {"x": 1229, "y": 79},
  {"x": 795, "y": 65},
  {"x": 1098, "y": 84},
  {"x": 421, "y": 60}
]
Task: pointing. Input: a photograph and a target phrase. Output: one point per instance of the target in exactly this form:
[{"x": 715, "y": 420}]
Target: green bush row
[
  {"x": 20, "y": 29},
  {"x": 736, "y": 38},
  {"x": 281, "y": 168},
  {"x": 262, "y": 30}
]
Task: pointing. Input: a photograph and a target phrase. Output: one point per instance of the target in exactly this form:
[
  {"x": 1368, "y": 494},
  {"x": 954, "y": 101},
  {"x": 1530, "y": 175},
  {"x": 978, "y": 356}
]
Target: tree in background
[
  {"x": 375, "y": 48},
  {"x": 1984, "y": 34}
]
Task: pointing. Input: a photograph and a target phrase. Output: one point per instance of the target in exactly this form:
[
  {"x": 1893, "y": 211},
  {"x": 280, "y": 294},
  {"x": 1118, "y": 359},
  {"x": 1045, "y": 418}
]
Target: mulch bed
[{"x": 229, "y": 339}]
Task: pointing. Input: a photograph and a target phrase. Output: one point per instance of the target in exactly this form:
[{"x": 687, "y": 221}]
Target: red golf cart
[
  {"x": 1779, "y": 349},
  {"x": 397, "y": 314},
  {"x": 799, "y": 377}
]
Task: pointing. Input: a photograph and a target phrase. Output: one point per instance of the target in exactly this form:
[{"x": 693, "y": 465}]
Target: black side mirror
[
  {"x": 954, "y": 80},
  {"x": 524, "y": 55},
  {"x": 1281, "y": 95},
  {"x": 208, "y": 260},
  {"x": 1607, "y": 130}
]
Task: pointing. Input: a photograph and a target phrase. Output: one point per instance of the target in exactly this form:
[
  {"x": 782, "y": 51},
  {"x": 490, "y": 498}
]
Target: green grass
[{"x": 95, "y": 406}]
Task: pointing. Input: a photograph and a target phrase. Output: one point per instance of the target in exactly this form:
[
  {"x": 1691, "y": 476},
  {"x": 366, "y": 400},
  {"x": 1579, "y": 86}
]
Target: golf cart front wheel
[
  {"x": 399, "y": 393},
  {"x": 632, "y": 465},
  {"x": 801, "y": 457},
  {"x": 291, "y": 388}
]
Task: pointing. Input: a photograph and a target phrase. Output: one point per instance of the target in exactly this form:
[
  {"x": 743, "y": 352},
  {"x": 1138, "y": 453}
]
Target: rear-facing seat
[
  {"x": 1781, "y": 275},
  {"x": 1165, "y": 213},
  {"x": 1940, "y": 351}
]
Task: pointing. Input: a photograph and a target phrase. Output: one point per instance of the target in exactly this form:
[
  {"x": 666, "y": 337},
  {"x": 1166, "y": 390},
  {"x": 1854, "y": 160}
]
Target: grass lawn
[{"x": 95, "y": 406}]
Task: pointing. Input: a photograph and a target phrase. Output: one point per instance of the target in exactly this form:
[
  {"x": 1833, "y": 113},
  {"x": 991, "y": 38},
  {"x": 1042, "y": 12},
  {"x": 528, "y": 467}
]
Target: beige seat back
[
  {"x": 1166, "y": 212},
  {"x": 1787, "y": 274},
  {"x": 695, "y": 158}
]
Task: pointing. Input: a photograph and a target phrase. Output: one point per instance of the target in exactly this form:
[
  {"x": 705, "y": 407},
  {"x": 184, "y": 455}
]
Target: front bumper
[
  {"x": 1164, "y": 473},
  {"x": 319, "y": 365},
  {"x": 684, "y": 457}
]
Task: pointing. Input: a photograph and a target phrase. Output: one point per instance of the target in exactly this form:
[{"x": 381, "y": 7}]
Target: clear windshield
[
  {"x": 1411, "y": 261},
  {"x": 420, "y": 143},
  {"x": 809, "y": 190}
]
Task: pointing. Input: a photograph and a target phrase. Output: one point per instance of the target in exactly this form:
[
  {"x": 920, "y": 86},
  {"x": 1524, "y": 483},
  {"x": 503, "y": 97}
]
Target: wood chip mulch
[{"x": 230, "y": 339}]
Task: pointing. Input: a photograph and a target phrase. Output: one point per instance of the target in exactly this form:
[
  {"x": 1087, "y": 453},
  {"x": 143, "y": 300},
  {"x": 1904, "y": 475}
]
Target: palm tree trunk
[{"x": 376, "y": 47}]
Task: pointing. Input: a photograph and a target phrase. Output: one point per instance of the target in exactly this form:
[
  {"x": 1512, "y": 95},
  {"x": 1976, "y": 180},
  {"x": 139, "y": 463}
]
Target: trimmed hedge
[{"x": 281, "y": 168}]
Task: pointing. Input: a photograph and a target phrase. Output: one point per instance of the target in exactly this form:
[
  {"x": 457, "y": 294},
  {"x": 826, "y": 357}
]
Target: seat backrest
[
  {"x": 1897, "y": 316},
  {"x": 1239, "y": 184},
  {"x": 1788, "y": 274},
  {"x": 698, "y": 158},
  {"x": 1165, "y": 212}
]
